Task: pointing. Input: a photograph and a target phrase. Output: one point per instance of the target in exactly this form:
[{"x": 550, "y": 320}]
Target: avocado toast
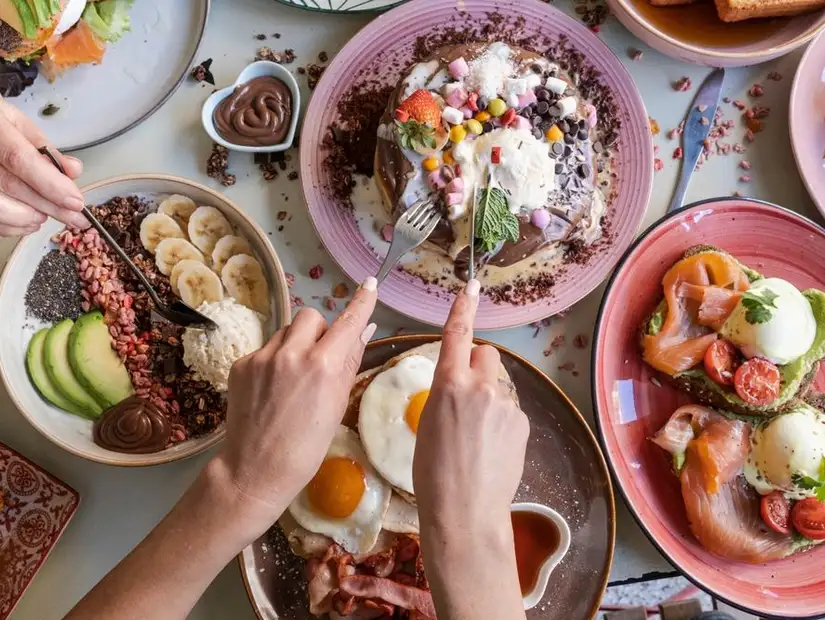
[{"x": 726, "y": 301}]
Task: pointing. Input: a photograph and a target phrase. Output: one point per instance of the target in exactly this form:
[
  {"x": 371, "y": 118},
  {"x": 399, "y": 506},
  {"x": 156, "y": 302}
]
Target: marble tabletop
[{"x": 119, "y": 506}]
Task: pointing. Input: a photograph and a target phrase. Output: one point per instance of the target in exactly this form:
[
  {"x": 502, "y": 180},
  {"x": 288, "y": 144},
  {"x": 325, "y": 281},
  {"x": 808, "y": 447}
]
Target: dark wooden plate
[{"x": 564, "y": 469}]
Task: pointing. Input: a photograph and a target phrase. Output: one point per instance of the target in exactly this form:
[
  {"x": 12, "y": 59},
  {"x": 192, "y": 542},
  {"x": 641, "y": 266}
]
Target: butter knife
[
  {"x": 472, "y": 270},
  {"x": 696, "y": 132}
]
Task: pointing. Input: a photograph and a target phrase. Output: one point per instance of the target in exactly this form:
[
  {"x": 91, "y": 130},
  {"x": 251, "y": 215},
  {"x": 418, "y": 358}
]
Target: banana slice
[
  {"x": 207, "y": 226},
  {"x": 179, "y": 208},
  {"x": 178, "y": 270},
  {"x": 172, "y": 251},
  {"x": 226, "y": 248},
  {"x": 156, "y": 227},
  {"x": 197, "y": 283},
  {"x": 245, "y": 281}
]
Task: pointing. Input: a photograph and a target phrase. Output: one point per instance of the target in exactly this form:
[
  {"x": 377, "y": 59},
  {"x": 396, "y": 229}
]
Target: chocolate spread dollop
[
  {"x": 257, "y": 113},
  {"x": 133, "y": 426}
]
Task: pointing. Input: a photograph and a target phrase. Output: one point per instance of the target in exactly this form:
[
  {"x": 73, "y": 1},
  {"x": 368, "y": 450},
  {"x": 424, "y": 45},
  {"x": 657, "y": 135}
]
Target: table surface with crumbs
[{"x": 120, "y": 506}]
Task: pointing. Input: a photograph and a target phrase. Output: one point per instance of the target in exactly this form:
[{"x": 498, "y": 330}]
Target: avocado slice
[
  {"x": 794, "y": 375},
  {"x": 43, "y": 12},
  {"x": 59, "y": 371},
  {"x": 36, "y": 366},
  {"x": 28, "y": 20},
  {"x": 95, "y": 363}
]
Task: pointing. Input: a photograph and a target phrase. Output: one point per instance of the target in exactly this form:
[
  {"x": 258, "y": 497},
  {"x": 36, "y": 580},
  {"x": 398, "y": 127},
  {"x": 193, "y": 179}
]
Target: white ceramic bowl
[
  {"x": 532, "y": 598},
  {"x": 262, "y": 68},
  {"x": 71, "y": 432}
]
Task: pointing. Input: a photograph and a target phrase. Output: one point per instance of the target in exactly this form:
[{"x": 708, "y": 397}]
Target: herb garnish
[
  {"x": 494, "y": 221},
  {"x": 809, "y": 484},
  {"x": 759, "y": 306}
]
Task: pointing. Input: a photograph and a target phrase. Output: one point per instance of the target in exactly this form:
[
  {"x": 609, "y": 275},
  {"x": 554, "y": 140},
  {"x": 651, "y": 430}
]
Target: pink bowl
[
  {"x": 630, "y": 407},
  {"x": 380, "y": 53},
  {"x": 794, "y": 33}
]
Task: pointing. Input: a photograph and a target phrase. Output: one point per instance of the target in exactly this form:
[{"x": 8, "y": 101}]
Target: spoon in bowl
[{"x": 178, "y": 312}]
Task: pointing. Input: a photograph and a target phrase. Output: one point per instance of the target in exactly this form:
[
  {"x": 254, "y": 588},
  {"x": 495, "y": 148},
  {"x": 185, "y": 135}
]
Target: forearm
[
  {"x": 165, "y": 575},
  {"x": 472, "y": 572}
]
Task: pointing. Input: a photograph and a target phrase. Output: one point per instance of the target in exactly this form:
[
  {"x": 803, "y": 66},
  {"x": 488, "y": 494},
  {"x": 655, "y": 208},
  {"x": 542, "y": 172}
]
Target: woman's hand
[
  {"x": 31, "y": 188},
  {"x": 469, "y": 458},
  {"x": 286, "y": 402}
]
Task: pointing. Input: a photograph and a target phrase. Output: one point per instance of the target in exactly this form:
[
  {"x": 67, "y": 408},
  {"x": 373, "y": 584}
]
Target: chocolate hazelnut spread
[
  {"x": 257, "y": 113},
  {"x": 134, "y": 426}
]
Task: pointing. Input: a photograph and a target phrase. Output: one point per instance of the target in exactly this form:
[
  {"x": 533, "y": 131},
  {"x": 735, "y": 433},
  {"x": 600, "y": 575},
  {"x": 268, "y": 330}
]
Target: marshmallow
[
  {"x": 455, "y": 198},
  {"x": 452, "y": 115},
  {"x": 435, "y": 179},
  {"x": 592, "y": 117},
  {"x": 540, "y": 218},
  {"x": 458, "y": 68},
  {"x": 566, "y": 107},
  {"x": 522, "y": 123},
  {"x": 512, "y": 100},
  {"x": 526, "y": 99},
  {"x": 533, "y": 80},
  {"x": 456, "y": 97},
  {"x": 455, "y": 211},
  {"x": 516, "y": 86},
  {"x": 556, "y": 85},
  {"x": 455, "y": 186}
]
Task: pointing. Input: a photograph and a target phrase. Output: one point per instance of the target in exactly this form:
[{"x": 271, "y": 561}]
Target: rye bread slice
[{"x": 694, "y": 386}]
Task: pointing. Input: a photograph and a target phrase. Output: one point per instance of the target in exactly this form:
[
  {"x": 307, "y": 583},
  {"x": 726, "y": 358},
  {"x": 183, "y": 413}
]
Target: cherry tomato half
[
  {"x": 776, "y": 512},
  {"x": 808, "y": 517},
  {"x": 757, "y": 381},
  {"x": 720, "y": 361}
]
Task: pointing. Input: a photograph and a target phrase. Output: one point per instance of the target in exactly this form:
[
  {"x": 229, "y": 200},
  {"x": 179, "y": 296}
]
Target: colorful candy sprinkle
[
  {"x": 458, "y": 133},
  {"x": 475, "y": 127},
  {"x": 495, "y": 156},
  {"x": 496, "y": 107},
  {"x": 431, "y": 163}
]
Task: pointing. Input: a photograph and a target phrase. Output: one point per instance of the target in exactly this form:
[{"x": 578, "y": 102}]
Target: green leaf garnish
[
  {"x": 809, "y": 484},
  {"x": 494, "y": 222},
  {"x": 759, "y": 307},
  {"x": 412, "y": 132}
]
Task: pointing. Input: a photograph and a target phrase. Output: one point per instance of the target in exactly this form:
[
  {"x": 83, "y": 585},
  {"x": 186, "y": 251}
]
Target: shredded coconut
[{"x": 489, "y": 71}]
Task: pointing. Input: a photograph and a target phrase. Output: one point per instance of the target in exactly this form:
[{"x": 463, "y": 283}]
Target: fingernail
[
  {"x": 368, "y": 332},
  {"x": 370, "y": 284},
  {"x": 75, "y": 204},
  {"x": 74, "y": 160},
  {"x": 78, "y": 221},
  {"x": 473, "y": 288}
]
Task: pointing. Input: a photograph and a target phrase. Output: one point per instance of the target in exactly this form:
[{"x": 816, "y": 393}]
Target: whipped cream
[{"x": 526, "y": 172}]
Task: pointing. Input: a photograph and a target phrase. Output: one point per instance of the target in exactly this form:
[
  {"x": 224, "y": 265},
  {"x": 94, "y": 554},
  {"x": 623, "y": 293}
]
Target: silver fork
[{"x": 411, "y": 230}]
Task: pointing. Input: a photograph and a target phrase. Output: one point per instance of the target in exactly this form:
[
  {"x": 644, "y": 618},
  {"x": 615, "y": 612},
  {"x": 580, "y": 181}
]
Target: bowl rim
[
  {"x": 284, "y": 313},
  {"x": 605, "y": 464},
  {"x": 597, "y": 352},
  {"x": 710, "y": 53}
]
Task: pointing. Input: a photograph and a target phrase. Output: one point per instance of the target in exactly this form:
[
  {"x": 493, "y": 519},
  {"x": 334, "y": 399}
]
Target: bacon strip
[{"x": 407, "y": 597}]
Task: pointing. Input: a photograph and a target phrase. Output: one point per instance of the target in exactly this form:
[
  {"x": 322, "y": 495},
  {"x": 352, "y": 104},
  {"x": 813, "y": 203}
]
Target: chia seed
[{"x": 54, "y": 292}]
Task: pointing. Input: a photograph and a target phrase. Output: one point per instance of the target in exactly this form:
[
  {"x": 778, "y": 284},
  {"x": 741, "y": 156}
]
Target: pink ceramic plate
[
  {"x": 38, "y": 507},
  {"x": 630, "y": 407},
  {"x": 807, "y": 120},
  {"x": 380, "y": 53}
]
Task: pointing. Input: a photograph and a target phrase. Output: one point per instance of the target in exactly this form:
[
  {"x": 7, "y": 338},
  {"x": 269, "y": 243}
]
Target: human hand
[
  {"x": 31, "y": 188},
  {"x": 472, "y": 438},
  {"x": 285, "y": 403}
]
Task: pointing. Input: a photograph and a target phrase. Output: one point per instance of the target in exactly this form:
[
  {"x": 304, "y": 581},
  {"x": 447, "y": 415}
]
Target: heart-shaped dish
[{"x": 261, "y": 68}]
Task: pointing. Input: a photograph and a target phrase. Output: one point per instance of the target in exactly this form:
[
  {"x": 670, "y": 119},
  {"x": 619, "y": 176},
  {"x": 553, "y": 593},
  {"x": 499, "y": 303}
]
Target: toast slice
[
  {"x": 797, "y": 377},
  {"x": 739, "y": 10}
]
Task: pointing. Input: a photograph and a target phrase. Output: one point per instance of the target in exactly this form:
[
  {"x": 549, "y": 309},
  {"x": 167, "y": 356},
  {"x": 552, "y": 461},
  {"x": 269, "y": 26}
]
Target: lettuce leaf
[{"x": 108, "y": 19}]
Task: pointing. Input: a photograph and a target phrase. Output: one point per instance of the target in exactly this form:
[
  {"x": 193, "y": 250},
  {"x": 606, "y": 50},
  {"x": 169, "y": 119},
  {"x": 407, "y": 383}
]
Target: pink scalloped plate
[
  {"x": 630, "y": 407},
  {"x": 379, "y": 54}
]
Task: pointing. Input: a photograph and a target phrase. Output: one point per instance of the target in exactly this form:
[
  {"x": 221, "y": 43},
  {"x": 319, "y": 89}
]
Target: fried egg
[
  {"x": 346, "y": 499},
  {"x": 388, "y": 420}
]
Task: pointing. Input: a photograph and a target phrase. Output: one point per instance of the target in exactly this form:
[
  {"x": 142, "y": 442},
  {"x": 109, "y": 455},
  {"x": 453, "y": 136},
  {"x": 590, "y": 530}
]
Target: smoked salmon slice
[
  {"x": 722, "y": 509},
  {"x": 78, "y": 46},
  {"x": 700, "y": 293}
]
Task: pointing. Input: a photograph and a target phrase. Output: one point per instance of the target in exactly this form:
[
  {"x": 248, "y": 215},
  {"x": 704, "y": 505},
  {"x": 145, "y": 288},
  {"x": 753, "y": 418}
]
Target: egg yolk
[
  {"x": 414, "y": 409},
  {"x": 337, "y": 488}
]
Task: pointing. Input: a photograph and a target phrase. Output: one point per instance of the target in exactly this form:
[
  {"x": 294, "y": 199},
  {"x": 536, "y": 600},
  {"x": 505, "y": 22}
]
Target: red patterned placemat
[{"x": 36, "y": 508}]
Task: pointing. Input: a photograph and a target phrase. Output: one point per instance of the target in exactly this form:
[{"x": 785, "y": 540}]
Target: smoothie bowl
[{"x": 83, "y": 355}]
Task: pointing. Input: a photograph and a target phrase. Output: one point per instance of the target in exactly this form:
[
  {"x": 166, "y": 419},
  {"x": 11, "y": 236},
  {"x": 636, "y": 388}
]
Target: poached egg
[
  {"x": 789, "y": 445},
  {"x": 785, "y": 336}
]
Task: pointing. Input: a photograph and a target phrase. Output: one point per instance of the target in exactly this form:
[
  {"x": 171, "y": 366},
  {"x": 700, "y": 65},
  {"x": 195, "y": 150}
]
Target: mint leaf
[
  {"x": 758, "y": 308},
  {"x": 805, "y": 482},
  {"x": 494, "y": 222}
]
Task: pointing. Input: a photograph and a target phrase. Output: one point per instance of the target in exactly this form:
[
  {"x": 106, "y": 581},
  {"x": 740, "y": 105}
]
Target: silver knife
[
  {"x": 472, "y": 271},
  {"x": 696, "y": 132}
]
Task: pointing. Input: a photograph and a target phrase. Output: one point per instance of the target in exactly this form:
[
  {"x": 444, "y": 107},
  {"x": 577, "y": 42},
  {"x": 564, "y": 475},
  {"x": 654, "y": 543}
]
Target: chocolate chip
[
  {"x": 535, "y": 120},
  {"x": 557, "y": 148},
  {"x": 535, "y": 67},
  {"x": 542, "y": 108},
  {"x": 542, "y": 94},
  {"x": 487, "y": 127},
  {"x": 569, "y": 139},
  {"x": 447, "y": 174},
  {"x": 537, "y": 134},
  {"x": 483, "y": 102},
  {"x": 567, "y": 150},
  {"x": 598, "y": 147},
  {"x": 584, "y": 170},
  {"x": 526, "y": 113},
  {"x": 582, "y": 124},
  {"x": 564, "y": 126},
  {"x": 559, "y": 168},
  {"x": 582, "y": 135}
]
